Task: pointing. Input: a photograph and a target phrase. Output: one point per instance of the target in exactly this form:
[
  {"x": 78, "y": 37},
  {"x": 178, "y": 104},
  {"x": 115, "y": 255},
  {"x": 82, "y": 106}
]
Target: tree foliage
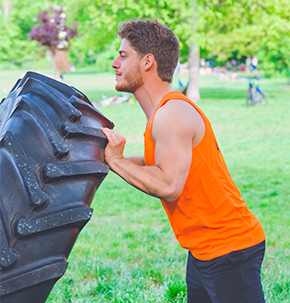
[
  {"x": 15, "y": 47},
  {"x": 99, "y": 21},
  {"x": 245, "y": 28},
  {"x": 222, "y": 29},
  {"x": 53, "y": 31}
]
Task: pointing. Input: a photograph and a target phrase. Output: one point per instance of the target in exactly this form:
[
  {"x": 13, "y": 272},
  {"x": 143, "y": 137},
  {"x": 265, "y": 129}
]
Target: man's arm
[
  {"x": 139, "y": 160},
  {"x": 175, "y": 126}
]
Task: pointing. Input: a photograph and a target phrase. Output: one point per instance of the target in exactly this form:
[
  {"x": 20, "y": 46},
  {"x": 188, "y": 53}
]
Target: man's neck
[{"x": 149, "y": 96}]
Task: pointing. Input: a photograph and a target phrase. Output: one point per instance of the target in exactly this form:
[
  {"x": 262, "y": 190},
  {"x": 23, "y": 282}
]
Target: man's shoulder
[
  {"x": 177, "y": 108},
  {"x": 177, "y": 114}
]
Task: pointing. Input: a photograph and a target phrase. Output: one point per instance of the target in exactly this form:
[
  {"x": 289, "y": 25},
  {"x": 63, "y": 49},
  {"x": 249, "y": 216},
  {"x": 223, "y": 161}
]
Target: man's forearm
[
  {"x": 148, "y": 179},
  {"x": 162, "y": 180},
  {"x": 138, "y": 160}
]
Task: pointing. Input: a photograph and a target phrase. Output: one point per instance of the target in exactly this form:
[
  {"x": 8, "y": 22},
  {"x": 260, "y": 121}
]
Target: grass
[{"x": 127, "y": 252}]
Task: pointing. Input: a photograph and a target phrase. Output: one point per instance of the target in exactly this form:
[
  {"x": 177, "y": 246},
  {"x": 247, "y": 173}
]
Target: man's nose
[{"x": 115, "y": 63}]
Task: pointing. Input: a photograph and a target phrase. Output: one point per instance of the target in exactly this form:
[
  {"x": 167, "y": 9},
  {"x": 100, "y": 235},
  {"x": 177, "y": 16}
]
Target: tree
[
  {"x": 16, "y": 20},
  {"x": 55, "y": 35},
  {"x": 100, "y": 19},
  {"x": 6, "y": 8},
  {"x": 245, "y": 28},
  {"x": 219, "y": 29}
]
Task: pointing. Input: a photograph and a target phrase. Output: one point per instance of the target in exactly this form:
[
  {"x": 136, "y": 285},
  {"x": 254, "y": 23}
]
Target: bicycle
[{"x": 256, "y": 96}]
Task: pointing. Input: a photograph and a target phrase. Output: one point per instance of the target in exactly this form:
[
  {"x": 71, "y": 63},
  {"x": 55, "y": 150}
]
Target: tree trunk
[
  {"x": 192, "y": 89},
  {"x": 6, "y": 8}
]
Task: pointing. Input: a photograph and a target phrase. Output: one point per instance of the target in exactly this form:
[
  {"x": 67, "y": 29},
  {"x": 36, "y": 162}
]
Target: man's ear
[{"x": 148, "y": 61}]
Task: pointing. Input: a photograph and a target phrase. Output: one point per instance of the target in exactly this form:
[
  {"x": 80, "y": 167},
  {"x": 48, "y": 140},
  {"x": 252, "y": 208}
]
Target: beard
[{"x": 132, "y": 80}]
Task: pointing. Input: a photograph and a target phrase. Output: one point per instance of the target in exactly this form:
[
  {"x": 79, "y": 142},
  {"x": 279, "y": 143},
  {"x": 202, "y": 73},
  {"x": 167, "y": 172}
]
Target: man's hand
[{"x": 115, "y": 147}]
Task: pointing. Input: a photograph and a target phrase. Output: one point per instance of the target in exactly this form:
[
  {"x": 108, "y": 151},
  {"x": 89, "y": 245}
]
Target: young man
[{"x": 184, "y": 168}]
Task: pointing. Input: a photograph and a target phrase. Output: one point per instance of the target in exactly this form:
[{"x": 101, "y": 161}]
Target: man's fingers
[
  {"x": 108, "y": 133},
  {"x": 105, "y": 130},
  {"x": 114, "y": 138}
]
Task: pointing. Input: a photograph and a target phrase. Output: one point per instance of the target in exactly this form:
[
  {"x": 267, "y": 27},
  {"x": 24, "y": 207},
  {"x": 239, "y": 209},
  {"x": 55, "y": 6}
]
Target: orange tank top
[{"x": 210, "y": 218}]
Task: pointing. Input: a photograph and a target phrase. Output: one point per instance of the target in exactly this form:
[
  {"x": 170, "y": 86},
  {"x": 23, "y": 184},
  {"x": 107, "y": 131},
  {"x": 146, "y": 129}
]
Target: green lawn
[{"x": 127, "y": 252}]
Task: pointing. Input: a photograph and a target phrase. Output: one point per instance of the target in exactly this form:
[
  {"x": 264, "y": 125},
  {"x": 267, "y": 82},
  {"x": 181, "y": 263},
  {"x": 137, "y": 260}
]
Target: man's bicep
[
  {"x": 173, "y": 155},
  {"x": 173, "y": 150}
]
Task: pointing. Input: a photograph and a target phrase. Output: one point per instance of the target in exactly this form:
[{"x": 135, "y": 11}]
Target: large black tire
[{"x": 51, "y": 164}]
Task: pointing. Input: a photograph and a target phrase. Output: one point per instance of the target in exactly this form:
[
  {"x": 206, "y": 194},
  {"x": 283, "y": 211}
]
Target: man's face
[{"x": 127, "y": 69}]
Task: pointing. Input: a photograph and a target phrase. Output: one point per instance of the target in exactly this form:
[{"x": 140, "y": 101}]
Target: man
[{"x": 184, "y": 168}]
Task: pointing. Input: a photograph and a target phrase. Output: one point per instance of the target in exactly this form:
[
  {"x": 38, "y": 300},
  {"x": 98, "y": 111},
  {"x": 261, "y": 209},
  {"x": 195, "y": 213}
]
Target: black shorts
[{"x": 232, "y": 278}]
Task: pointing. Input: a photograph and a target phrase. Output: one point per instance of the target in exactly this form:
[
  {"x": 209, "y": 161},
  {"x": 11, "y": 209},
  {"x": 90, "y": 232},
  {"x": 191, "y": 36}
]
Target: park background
[{"x": 127, "y": 252}]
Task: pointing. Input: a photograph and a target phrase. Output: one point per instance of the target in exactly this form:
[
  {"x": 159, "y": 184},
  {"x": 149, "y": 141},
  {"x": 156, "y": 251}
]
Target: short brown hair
[{"x": 152, "y": 37}]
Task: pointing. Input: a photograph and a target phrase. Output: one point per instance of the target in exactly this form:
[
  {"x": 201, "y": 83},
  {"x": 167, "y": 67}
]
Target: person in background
[
  {"x": 248, "y": 63},
  {"x": 255, "y": 64}
]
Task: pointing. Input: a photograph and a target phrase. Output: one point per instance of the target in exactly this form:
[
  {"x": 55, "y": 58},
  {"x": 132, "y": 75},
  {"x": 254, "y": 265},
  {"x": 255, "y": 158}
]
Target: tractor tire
[{"x": 51, "y": 164}]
